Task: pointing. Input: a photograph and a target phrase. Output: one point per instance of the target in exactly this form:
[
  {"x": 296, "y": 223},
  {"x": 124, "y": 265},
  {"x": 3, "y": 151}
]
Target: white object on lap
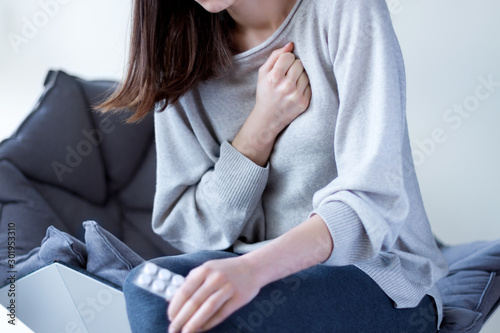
[{"x": 159, "y": 281}]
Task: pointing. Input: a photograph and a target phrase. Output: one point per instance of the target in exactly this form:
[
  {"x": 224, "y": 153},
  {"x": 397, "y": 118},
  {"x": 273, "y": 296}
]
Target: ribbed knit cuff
[
  {"x": 347, "y": 233},
  {"x": 237, "y": 179}
]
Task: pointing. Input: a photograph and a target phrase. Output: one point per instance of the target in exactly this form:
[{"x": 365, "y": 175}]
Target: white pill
[
  {"x": 164, "y": 274},
  {"x": 169, "y": 293},
  {"x": 144, "y": 279},
  {"x": 150, "y": 268},
  {"x": 159, "y": 286},
  {"x": 177, "y": 280}
]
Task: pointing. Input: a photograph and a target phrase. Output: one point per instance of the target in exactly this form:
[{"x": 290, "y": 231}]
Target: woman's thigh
[{"x": 318, "y": 299}]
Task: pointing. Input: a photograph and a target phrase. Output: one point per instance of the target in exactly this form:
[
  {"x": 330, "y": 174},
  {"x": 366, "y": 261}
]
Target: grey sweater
[{"x": 346, "y": 158}]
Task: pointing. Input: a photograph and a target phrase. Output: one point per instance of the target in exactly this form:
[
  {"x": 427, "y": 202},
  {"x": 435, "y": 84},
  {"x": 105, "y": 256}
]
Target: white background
[{"x": 448, "y": 46}]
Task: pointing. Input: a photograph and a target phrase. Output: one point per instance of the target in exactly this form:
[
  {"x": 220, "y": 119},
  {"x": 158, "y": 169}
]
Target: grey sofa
[{"x": 67, "y": 164}]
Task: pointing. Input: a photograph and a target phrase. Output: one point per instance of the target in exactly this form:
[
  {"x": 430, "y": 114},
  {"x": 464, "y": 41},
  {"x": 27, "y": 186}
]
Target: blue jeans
[{"x": 318, "y": 299}]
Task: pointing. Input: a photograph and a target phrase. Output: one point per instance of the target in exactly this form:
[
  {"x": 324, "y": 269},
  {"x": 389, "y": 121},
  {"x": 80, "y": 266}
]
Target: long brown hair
[{"x": 174, "y": 45}]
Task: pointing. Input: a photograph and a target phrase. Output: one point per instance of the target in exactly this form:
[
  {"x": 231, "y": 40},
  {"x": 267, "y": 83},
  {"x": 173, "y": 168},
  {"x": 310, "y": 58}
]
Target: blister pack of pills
[{"x": 158, "y": 280}]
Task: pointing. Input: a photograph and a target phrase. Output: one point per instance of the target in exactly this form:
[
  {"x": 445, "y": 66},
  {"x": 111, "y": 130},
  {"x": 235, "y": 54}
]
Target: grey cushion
[
  {"x": 471, "y": 291},
  {"x": 107, "y": 256}
]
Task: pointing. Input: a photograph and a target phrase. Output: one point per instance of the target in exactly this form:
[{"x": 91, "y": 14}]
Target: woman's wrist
[
  {"x": 260, "y": 273},
  {"x": 255, "y": 139},
  {"x": 303, "y": 246}
]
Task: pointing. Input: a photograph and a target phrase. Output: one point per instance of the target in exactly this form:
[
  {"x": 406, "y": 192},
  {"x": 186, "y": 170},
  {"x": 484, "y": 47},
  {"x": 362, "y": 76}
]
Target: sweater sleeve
[
  {"x": 202, "y": 200},
  {"x": 366, "y": 205}
]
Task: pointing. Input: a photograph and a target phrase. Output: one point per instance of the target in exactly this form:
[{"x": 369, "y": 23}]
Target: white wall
[
  {"x": 448, "y": 45},
  {"x": 85, "y": 38}
]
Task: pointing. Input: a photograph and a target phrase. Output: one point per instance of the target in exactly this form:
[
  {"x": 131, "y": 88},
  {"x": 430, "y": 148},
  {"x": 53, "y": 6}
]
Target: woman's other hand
[
  {"x": 283, "y": 93},
  {"x": 211, "y": 293},
  {"x": 283, "y": 90}
]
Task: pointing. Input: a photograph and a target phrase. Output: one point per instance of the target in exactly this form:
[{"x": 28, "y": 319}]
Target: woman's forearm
[
  {"x": 303, "y": 246},
  {"x": 217, "y": 288}
]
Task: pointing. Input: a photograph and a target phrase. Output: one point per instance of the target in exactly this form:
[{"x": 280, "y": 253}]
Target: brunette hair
[{"x": 174, "y": 45}]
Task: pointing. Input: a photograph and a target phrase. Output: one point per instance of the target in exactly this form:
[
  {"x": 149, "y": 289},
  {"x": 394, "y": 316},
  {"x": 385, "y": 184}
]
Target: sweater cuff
[
  {"x": 237, "y": 179},
  {"x": 347, "y": 231}
]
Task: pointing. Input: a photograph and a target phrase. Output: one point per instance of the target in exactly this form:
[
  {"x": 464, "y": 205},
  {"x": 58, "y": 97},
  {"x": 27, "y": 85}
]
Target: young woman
[{"x": 292, "y": 195}]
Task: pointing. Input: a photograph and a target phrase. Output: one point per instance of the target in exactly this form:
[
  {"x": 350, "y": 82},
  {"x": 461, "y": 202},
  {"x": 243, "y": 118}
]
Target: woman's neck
[{"x": 256, "y": 20}]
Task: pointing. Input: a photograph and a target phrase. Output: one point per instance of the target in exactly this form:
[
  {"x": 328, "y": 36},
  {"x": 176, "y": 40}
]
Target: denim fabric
[
  {"x": 56, "y": 245},
  {"x": 107, "y": 256},
  {"x": 318, "y": 299},
  {"x": 102, "y": 255}
]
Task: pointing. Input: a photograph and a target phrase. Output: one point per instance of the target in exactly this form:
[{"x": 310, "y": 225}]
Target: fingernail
[{"x": 172, "y": 329}]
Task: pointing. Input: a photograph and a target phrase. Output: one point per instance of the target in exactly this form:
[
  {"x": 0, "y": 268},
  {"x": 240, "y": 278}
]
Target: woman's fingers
[
  {"x": 306, "y": 98},
  {"x": 209, "y": 308},
  {"x": 295, "y": 71},
  {"x": 271, "y": 61},
  {"x": 285, "y": 61},
  {"x": 222, "y": 314},
  {"x": 185, "y": 292},
  {"x": 227, "y": 285},
  {"x": 302, "y": 82},
  {"x": 197, "y": 299}
]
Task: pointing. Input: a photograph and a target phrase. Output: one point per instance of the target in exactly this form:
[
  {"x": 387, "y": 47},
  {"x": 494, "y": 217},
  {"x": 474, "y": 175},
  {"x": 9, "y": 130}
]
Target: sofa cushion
[
  {"x": 51, "y": 145},
  {"x": 123, "y": 146},
  {"x": 24, "y": 208},
  {"x": 471, "y": 291}
]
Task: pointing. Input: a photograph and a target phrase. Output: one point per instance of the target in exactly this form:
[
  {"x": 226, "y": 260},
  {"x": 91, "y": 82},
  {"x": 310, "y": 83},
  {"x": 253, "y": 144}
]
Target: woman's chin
[{"x": 212, "y": 6}]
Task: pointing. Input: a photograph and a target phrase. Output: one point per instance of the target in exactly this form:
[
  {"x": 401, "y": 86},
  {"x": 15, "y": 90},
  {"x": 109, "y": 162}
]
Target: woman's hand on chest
[{"x": 283, "y": 93}]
